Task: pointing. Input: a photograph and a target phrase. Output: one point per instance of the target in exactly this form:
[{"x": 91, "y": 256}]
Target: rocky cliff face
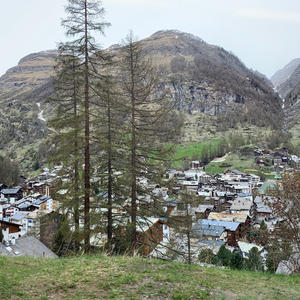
[{"x": 205, "y": 78}]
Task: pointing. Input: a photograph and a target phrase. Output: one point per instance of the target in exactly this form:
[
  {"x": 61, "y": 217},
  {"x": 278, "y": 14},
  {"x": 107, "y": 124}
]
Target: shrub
[
  {"x": 207, "y": 256},
  {"x": 224, "y": 256}
]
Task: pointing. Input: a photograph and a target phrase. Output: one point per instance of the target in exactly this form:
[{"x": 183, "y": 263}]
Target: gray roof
[
  {"x": 12, "y": 191},
  {"x": 27, "y": 246},
  {"x": 213, "y": 227}
]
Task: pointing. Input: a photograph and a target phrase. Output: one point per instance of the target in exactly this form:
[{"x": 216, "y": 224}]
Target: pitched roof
[
  {"x": 213, "y": 227},
  {"x": 241, "y": 204},
  {"x": 12, "y": 191},
  {"x": 27, "y": 246},
  {"x": 235, "y": 217}
]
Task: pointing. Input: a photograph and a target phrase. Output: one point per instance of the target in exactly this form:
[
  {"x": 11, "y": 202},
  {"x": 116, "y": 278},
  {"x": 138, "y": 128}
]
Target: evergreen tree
[
  {"x": 236, "y": 261},
  {"x": 224, "y": 255},
  {"x": 67, "y": 135},
  {"x": 254, "y": 263},
  {"x": 85, "y": 18},
  {"x": 144, "y": 108}
]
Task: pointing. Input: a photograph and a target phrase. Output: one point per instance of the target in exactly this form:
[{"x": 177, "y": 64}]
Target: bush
[
  {"x": 224, "y": 256},
  {"x": 254, "y": 263},
  {"x": 207, "y": 256},
  {"x": 236, "y": 261}
]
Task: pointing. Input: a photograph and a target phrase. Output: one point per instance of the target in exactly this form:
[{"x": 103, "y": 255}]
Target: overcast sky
[{"x": 264, "y": 34}]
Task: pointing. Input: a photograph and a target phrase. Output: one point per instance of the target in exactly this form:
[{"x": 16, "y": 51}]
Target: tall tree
[
  {"x": 286, "y": 207},
  {"x": 85, "y": 18},
  {"x": 67, "y": 133},
  {"x": 145, "y": 108}
]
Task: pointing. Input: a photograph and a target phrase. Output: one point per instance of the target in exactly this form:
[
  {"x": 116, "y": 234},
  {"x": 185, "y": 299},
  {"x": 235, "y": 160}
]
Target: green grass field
[
  {"x": 191, "y": 151},
  {"x": 103, "y": 277},
  {"x": 235, "y": 161}
]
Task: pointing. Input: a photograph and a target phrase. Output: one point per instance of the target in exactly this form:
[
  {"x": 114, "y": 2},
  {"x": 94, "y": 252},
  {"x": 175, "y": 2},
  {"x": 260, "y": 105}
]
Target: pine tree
[
  {"x": 85, "y": 19},
  {"x": 67, "y": 134},
  {"x": 144, "y": 107}
]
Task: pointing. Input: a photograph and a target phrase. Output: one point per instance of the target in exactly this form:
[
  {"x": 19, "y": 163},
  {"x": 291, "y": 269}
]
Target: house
[
  {"x": 246, "y": 247},
  {"x": 151, "y": 232},
  {"x": 48, "y": 224},
  {"x": 196, "y": 164},
  {"x": 228, "y": 232},
  {"x": 241, "y": 218},
  {"x": 46, "y": 203},
  {"x": 202, "y": 211},
  {"x": 12, "y": 194},
  {"x": 295, "y": 162},
  {"x": 243, "y": 205},
  {"x": 26, "y": 246},
  {"x": 10, "y": 230},
  {"x": 263, "y": 211}
]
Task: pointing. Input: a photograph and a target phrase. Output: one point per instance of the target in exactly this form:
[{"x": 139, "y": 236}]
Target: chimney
[{"x": 13, "y": 241}]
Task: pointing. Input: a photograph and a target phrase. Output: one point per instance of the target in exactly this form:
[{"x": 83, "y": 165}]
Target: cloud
[{"x": 264, "y": 14}]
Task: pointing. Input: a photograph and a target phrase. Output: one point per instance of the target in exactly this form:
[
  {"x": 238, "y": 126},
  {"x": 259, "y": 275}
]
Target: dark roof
[
  {"x": 12, "y": 191},
  {"x": 27, "y": 246},
  {"x": 41, "y": 200}
]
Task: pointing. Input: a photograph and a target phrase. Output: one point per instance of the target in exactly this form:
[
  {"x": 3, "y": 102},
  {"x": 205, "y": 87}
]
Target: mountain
[
  {"x": 282, "y": 77},
  {"x": 24, "y": 90},
  {"x": 212, "y": 88}
]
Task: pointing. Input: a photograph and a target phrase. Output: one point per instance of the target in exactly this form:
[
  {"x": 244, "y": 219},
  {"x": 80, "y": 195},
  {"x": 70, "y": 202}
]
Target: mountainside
[
  {"x": 24, "y": 90},
  {"x": 121, "y": 277},
  {"x": 284, "y": 74},
  {"x": 290, "y": 84},
  {"x": 206, "y": 78},
  {"x": 211, "y": 87}
]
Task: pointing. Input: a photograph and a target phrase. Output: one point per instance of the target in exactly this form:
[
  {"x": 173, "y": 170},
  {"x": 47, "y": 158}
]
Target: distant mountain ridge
[
  {"x": 202, "y": 78},
  {"x": 280, "y": 78}
]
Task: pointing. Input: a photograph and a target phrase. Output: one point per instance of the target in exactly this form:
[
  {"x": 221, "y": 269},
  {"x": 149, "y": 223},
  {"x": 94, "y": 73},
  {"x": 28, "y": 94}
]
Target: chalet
[
  {"x": 202, "y": 211},
  {"x": 228, "y": 232},
  {"x": 232, "y": 175},
  {"x": 241, "y": 218},
  {"x": 150, "y": 233},
  {"x": 48, "y": 224},
  {"x": 196, "y": 164},
  {"x": 12, "y": 194},
  {"x": 10, "y": 230},
  {"x": 42, "y": 188},
  {"x": 46, "y": 203},
  {"x": 243, "y": 205},
  {"x": 263, "y": 211}
]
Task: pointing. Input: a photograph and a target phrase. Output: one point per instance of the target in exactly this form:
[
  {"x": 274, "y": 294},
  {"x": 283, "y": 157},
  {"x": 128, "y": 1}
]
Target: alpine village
[{"x": 160, "y": 168}]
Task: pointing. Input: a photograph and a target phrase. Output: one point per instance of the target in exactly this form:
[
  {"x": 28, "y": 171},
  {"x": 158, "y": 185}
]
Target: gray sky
[{"x": 264, "y": 34}]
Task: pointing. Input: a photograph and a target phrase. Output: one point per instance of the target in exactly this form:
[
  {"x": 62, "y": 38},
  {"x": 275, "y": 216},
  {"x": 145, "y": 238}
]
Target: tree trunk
[
  {"x": 133, "y": 157},
  {"x": 76, "y": 170},
  {"x": 87, "y": 184},
  {"x": 109, "y": 167}
]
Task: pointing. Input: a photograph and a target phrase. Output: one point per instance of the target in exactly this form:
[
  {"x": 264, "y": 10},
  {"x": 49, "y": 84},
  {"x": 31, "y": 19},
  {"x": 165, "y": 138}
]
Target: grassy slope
[
  {"x": 191, "y": 150},
  {"x": 101, "y": 277}
]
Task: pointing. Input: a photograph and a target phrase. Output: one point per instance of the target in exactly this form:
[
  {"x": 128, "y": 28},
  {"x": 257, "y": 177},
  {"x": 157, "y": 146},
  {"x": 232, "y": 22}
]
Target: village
[{"x": 225, "y": 208}]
